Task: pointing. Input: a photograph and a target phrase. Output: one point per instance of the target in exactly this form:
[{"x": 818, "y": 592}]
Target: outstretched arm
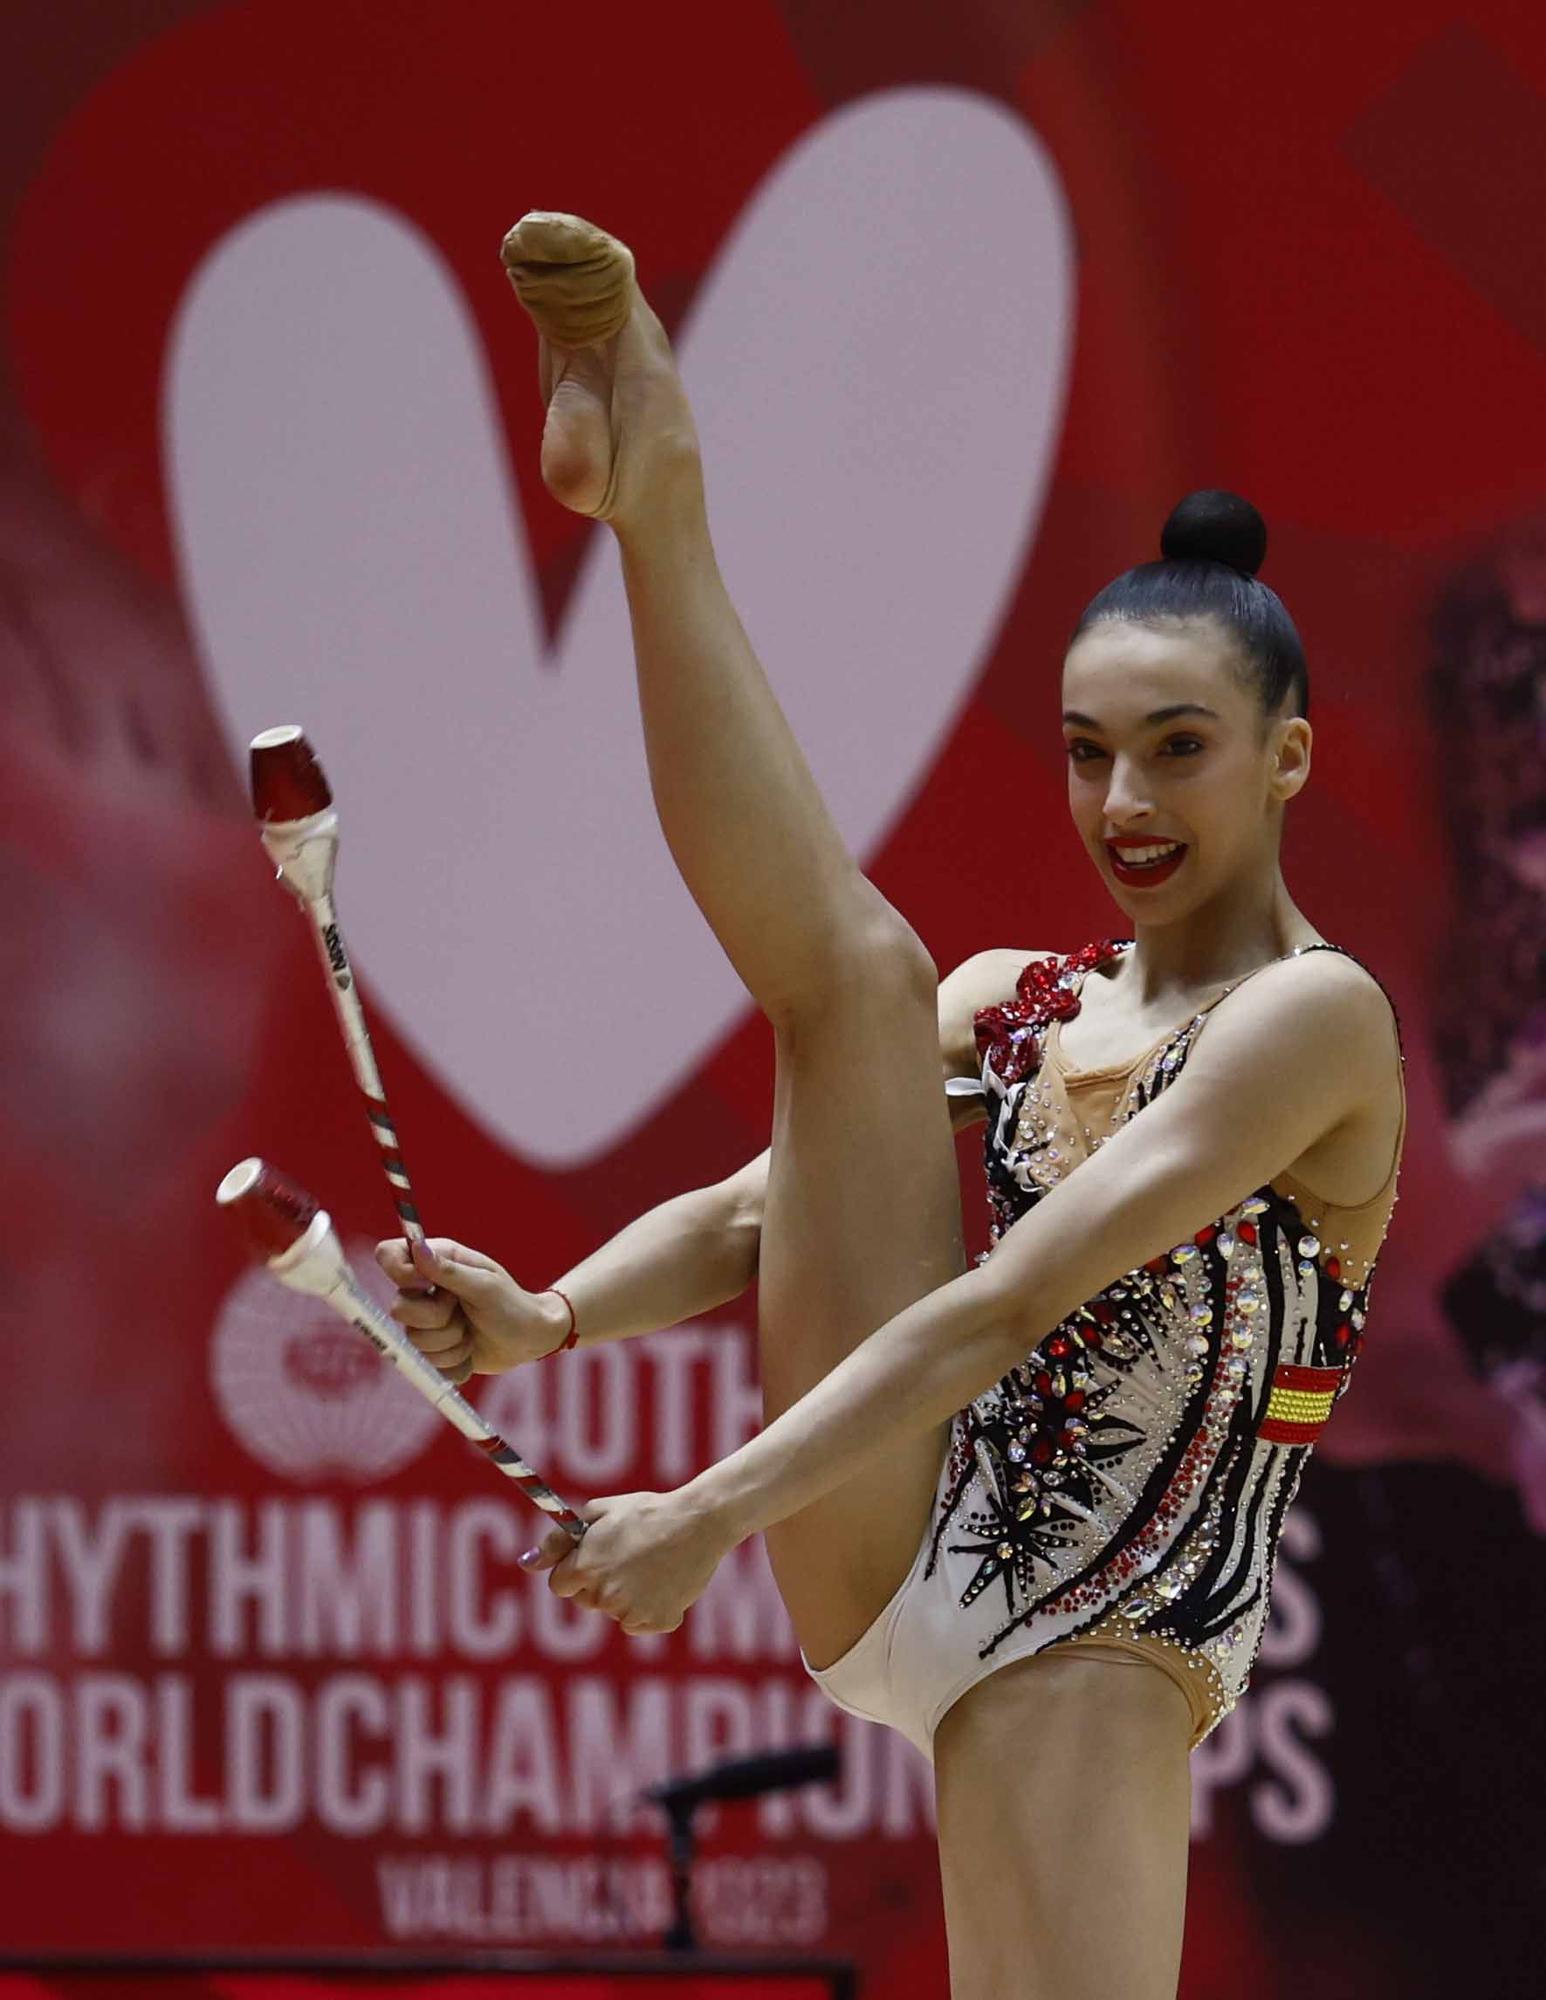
[
  {"x": 1305, "y": 1047},
  {"x": 681, "y": 1258}
]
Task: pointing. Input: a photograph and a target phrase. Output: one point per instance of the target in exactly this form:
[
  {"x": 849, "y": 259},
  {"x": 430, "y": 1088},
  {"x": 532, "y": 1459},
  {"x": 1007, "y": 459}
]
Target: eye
[{"x": 1082, "y": 751}]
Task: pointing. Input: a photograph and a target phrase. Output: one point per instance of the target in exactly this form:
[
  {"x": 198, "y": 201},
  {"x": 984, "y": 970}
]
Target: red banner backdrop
[{"x": 271, "y": 1681}]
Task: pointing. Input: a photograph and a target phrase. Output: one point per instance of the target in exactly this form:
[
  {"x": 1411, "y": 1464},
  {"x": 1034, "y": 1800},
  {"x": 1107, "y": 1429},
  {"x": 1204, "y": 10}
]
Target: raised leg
[
  {"x": 863, "y": 1216},
  {"x": 863, "y": 1210},
  {"x": 747, "y": 826},
  {"x": 1064, "y": 1807}
]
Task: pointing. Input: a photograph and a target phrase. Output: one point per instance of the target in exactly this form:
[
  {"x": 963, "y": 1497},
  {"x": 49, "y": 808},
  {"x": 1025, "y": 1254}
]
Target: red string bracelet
[{"x": 574, "y": 1332}]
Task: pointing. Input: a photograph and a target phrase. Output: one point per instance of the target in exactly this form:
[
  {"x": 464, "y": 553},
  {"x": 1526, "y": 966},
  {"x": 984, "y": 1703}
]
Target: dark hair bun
[{"x": 1214, "y": 526}]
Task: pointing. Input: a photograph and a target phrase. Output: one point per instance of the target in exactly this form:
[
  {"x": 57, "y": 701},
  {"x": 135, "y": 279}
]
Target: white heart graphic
[{"x": 878, "y": 362}]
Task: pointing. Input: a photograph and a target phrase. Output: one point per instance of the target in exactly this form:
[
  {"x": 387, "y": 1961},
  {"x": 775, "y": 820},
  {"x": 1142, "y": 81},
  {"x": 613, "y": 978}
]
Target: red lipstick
[{"x": 1140, "y": 876}]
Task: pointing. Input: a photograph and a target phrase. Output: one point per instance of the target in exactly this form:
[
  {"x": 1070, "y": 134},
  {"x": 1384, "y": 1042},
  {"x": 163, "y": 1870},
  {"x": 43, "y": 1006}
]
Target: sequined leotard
[{"x": 1124, "y": 1487}]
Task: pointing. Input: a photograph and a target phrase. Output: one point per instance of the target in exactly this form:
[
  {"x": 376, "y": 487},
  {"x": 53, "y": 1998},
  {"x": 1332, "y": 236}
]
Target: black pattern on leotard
[{"x": 1132, "y": 1473}]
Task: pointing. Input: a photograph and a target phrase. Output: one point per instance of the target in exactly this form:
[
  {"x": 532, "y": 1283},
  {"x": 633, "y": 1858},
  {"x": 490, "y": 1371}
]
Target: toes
[
  {"x": 575, "y": 280},
  {"x": 549, "y": 236}
]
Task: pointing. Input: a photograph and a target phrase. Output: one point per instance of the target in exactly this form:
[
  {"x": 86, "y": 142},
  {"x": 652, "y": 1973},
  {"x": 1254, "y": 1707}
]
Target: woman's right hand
[{"x": 478, "y": 1321}]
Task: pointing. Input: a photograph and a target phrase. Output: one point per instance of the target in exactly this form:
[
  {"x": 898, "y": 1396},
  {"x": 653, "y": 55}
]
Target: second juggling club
[{"x": 296, "y": 1240}]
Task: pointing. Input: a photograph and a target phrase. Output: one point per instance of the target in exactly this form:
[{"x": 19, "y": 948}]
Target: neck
[{"x": 1245, "y": 925}]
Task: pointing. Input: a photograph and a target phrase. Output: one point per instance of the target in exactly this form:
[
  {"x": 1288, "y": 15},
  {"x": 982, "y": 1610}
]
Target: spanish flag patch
[{"x": 1300, "y": 1404}]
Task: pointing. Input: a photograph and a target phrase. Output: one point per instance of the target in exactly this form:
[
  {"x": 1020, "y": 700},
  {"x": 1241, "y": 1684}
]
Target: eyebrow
[{"x": 1157, "y": 715}]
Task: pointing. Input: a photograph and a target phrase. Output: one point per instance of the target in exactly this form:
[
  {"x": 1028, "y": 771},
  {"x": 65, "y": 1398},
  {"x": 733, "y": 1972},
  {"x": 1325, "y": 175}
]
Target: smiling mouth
[{"x": 1145, "y": 862}]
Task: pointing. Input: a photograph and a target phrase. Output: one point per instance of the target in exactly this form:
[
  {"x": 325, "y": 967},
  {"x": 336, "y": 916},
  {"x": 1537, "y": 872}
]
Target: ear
[{"x": 1291, "y": 757}]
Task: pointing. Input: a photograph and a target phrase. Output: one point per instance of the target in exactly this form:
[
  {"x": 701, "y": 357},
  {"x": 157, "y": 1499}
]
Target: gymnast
[{"x": 1024, "y": 1512}]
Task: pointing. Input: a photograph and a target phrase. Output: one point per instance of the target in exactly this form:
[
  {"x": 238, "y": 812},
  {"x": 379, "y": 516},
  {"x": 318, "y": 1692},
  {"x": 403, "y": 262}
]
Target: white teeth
[{"x": 1141, "y": 856}]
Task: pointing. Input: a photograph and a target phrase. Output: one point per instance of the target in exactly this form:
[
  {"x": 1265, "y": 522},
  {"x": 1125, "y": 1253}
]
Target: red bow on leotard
[{"x": 1046, "y": 991}]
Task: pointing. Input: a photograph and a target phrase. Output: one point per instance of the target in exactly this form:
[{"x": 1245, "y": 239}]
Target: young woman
[{"x": 1025, "y": 1513}]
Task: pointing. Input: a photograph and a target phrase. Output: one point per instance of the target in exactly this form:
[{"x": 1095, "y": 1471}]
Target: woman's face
[{"x": 1166, "y": 752}]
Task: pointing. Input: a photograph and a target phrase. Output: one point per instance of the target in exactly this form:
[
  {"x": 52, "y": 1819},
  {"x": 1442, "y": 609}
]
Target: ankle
[{"x": 662, "y": 504}]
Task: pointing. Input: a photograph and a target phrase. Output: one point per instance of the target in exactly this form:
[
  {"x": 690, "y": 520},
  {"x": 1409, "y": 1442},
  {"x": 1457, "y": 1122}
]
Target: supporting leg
[{"x": 1064, "y": 1809}]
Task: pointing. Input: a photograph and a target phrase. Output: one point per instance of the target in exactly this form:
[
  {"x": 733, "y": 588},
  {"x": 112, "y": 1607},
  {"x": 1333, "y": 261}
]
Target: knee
[
  {"x": 892, "y": 955},
  {"x": 878, "y": 960}
]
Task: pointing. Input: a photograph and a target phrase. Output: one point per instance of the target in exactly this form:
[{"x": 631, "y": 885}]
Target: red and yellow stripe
[{"x": 1299, "y": 1404}]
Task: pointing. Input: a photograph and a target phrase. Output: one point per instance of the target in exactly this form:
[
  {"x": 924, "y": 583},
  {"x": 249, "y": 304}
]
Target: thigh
[
  {"x": 1064, "y": 1818},
  {"x": 863, "y": 1217}
]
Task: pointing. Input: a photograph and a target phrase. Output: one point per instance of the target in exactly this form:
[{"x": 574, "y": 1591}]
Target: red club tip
[
  {"x": 287, "y": 781},
  {"x": 274, "y": 1212}
]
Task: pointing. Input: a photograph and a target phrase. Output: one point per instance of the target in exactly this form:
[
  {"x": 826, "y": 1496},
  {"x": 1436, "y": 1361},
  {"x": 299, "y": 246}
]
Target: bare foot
[{"x": 618, "y": 423}]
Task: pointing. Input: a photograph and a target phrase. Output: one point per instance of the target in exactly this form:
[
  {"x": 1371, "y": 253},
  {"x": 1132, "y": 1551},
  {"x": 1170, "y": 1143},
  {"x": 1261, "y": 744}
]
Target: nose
[{"x": 1126, "y": 802}]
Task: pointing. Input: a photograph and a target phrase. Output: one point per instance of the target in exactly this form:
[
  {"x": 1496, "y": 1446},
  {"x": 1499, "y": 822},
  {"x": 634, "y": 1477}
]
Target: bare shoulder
[
  {"x": 1321, "y": 1008},
  {"x": 1314, "y": 1039},
  {"x": 986, "y": 979},
  {"x": 1343, "y": 989}
]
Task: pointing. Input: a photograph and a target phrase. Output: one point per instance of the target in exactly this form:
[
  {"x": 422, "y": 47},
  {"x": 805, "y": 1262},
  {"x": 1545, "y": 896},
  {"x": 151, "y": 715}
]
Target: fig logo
[
  {"x": 327, "y": 1362},
  {"x": 878, "y": 358},
  {"x": 303, "y": 1393}
]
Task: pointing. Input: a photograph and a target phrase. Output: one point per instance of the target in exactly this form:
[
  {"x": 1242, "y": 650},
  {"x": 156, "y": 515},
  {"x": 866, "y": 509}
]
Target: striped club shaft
[
  {"x": 350, "y": 1299},
  {"x": 343, "y": 987},
  {"x": 536, "y": 1489}
]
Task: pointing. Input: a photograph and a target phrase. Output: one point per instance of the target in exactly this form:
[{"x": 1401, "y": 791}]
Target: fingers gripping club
[{"x": 294, "y": 1237}]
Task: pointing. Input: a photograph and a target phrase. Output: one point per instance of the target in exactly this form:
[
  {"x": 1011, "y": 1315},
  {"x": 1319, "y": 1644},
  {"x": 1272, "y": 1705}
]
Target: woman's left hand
[{"x": 644, "y": 1559}]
